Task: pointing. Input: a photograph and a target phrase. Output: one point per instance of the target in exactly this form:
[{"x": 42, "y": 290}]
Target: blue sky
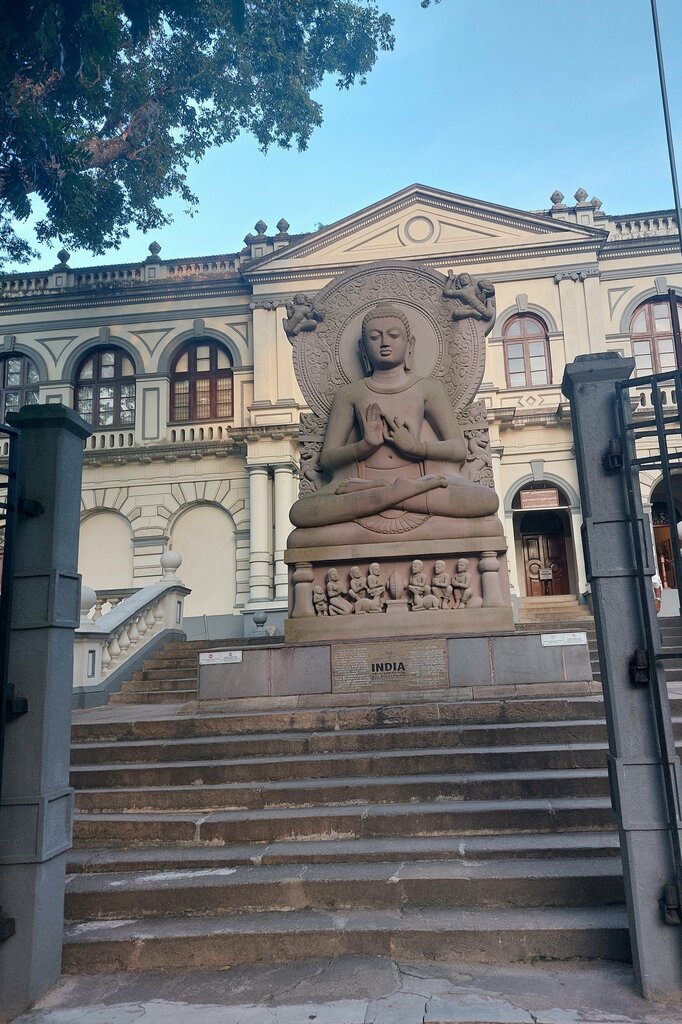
[{"x": 502, "y": 100}]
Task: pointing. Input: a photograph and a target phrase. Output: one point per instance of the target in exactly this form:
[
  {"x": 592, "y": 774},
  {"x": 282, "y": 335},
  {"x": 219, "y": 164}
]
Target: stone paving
[{"x": 358, "y": 990}]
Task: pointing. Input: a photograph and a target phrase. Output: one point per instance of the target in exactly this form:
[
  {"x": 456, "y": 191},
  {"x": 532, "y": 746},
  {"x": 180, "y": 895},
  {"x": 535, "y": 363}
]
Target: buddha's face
[{"x": 386, "y": 342}]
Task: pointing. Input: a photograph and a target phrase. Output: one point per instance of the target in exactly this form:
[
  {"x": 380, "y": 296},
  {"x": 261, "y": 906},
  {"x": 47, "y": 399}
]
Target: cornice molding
[{"x": 158, "y": 291}]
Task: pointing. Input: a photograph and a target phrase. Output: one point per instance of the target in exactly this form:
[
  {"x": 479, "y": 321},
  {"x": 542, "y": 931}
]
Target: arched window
[
  {"x": 105, "y": 388},
  {"x": 201, "y": 383},
  {"x": 652, "y": 337},
  {"x": 526, "y": 352},
  {"x": 18, "y": 384}
]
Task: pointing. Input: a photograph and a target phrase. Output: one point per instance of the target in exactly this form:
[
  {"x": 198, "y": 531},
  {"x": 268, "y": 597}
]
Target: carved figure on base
[
  {"x": 338, "y": 605},
  {"x": 461, "y": 584},
  {"x": 319, "y": 600},
  {"x": 441, "y": 586},
  {"x": 421, "y": 598}
]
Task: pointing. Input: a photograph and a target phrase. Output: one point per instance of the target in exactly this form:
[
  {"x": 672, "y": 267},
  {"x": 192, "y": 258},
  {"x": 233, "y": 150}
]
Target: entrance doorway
[
  {"x": 665, "y": 563},
  {"x": 544, "y": 554}
]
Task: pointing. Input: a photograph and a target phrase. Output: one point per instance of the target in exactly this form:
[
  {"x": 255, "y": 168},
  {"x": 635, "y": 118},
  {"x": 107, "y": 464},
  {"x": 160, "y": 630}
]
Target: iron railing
[{"x": 654, "y": 443}]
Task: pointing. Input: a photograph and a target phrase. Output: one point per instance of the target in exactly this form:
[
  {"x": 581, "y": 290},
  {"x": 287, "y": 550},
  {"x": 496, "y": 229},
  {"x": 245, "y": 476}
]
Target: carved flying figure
[
  {"x": 301, "y": 316},
  {"x": 373, "y": 454},
  {"x": 476, "y": 300}
]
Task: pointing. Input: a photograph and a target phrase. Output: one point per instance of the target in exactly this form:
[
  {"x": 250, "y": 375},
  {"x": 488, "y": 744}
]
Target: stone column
[
  {"x": 576, "y": 523},
  {"x": 570, "y": 319},
  {"x": 641, "y": 743},
  {"x": 497, "y": 451},
  {"x": 37, "y": 801},
  {"x": 260, "y": 556},
  {"x": 283, "y": 492}
]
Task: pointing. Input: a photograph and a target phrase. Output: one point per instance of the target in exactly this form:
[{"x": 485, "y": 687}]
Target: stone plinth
[
  {"x": 366, "y": 672},
  {"x": 482, "y": 606}
]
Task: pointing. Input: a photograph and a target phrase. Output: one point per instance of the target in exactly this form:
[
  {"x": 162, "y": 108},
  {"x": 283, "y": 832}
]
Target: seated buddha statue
[{"x": 392, "y": 440}]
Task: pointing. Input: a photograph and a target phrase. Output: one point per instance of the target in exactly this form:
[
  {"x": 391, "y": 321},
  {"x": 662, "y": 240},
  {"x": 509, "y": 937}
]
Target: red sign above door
[{"x": 546, "y": 497}]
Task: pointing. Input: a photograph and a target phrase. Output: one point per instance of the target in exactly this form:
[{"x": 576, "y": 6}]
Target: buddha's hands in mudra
[
  {"x": 378, "y": 428},
  {"x": 372, "y": 421},
  {"x": 403, "y": 440}
]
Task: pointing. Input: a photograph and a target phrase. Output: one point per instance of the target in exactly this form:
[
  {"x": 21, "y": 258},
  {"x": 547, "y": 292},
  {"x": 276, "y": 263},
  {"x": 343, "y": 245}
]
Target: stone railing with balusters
[
  {"x": 653, "y": 225},
  {"x": 110, "y": 647}
]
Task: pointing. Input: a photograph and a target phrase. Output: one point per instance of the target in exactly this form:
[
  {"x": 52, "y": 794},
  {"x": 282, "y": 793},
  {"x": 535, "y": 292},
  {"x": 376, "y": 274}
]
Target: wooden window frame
[
  {"x": 22, "y": 389},
  {"x": 525, "y": 340},
  {"x": 97, "y": 380},
  {"x": 193, "y": 376},
  {"x": 651, "y": 335}
]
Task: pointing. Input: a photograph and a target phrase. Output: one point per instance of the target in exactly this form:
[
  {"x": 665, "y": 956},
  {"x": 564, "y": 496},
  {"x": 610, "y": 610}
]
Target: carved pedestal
[{"x": 335, "y": 595}]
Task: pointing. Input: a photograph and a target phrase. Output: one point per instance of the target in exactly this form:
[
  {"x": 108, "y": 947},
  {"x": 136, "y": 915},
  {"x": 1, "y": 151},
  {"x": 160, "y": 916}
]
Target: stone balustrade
[
  {"x": 106, "y": 643},
  {"x": 106, "y": 440},
  {"x": 653, "y": 226},
  {"x": 191, "y": 433}
]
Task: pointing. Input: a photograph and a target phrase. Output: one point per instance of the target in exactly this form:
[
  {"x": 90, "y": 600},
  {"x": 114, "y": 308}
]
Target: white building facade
[{"x": 185, "y": 372}]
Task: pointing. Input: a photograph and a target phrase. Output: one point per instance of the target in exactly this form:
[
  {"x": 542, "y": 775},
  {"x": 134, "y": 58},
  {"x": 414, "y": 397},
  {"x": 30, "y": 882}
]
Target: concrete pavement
[{"x": 358, "y": 990}]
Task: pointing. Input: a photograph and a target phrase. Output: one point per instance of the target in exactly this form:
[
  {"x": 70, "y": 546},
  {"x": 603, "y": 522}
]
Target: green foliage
[{"x": 105, "y": 103}]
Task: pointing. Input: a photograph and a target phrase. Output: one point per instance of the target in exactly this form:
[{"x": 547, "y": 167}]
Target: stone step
[
  {"x": 371, "y": 741},
  {"x": 388, "y": 715},
  {"x": 336, "y": 792},
  {"x": 347, "y": 851},
  {"x": 153, "y": 697},
  {"x": 171, "y": 684},
  {"x": 389, "y": 885},
  {"x": 221, "y": 941},
  {"x": 374, "y": 763},
  {"x": 175, "y": 671},
  {"x": 354, "y": 821},
  {"x": 229, "y": 747}
]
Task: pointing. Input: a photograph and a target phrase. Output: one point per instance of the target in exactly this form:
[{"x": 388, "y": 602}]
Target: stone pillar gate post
[
  {"x": 640, "y": 757},
  {"x": 36, "y": 809}
]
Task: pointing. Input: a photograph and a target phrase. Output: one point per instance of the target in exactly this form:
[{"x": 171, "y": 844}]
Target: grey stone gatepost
[
  {"x": 636, "y": 751},
  {"x": 36, "y": 809}
]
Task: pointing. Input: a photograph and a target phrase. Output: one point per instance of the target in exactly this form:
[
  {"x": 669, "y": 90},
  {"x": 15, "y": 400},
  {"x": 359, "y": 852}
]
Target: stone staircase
[
  {"x": 562, "y": 609},
  {"x": 171, "y": 675},
  {"x": 481, "y": 830}
]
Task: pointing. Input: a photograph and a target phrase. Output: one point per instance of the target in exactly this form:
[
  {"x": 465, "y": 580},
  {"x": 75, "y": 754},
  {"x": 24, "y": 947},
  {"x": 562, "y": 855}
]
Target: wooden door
[{"x": 544, "y": 557}]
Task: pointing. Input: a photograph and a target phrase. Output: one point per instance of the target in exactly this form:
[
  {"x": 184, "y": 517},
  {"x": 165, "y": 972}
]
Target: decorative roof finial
[
  {"x": 63, "y": 256},
  {"x": 580, "y": 196},
  {"x": 261, "y": 227},
  {"x": 556, "y": 198}
]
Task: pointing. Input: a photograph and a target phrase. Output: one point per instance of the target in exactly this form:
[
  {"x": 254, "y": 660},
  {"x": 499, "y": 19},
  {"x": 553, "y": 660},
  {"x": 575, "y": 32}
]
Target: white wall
[
  {"x": 105, "y": 558},
  {"x": 204, "y": 536}
]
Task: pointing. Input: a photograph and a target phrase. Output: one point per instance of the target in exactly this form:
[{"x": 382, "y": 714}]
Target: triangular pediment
[{"x": 422, "y": 223}]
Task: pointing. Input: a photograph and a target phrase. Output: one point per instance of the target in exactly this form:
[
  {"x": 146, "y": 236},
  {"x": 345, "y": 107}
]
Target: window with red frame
[
  {"x": 526, "y": 352},
  {"x": 201, "y": 383},
  {"x": 651, "y": 333}
]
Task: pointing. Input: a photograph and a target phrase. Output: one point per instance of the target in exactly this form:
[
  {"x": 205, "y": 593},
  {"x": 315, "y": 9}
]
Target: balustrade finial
[
  {"x": 88, "y": 599},
  {"x": 170, "y": 563}
]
